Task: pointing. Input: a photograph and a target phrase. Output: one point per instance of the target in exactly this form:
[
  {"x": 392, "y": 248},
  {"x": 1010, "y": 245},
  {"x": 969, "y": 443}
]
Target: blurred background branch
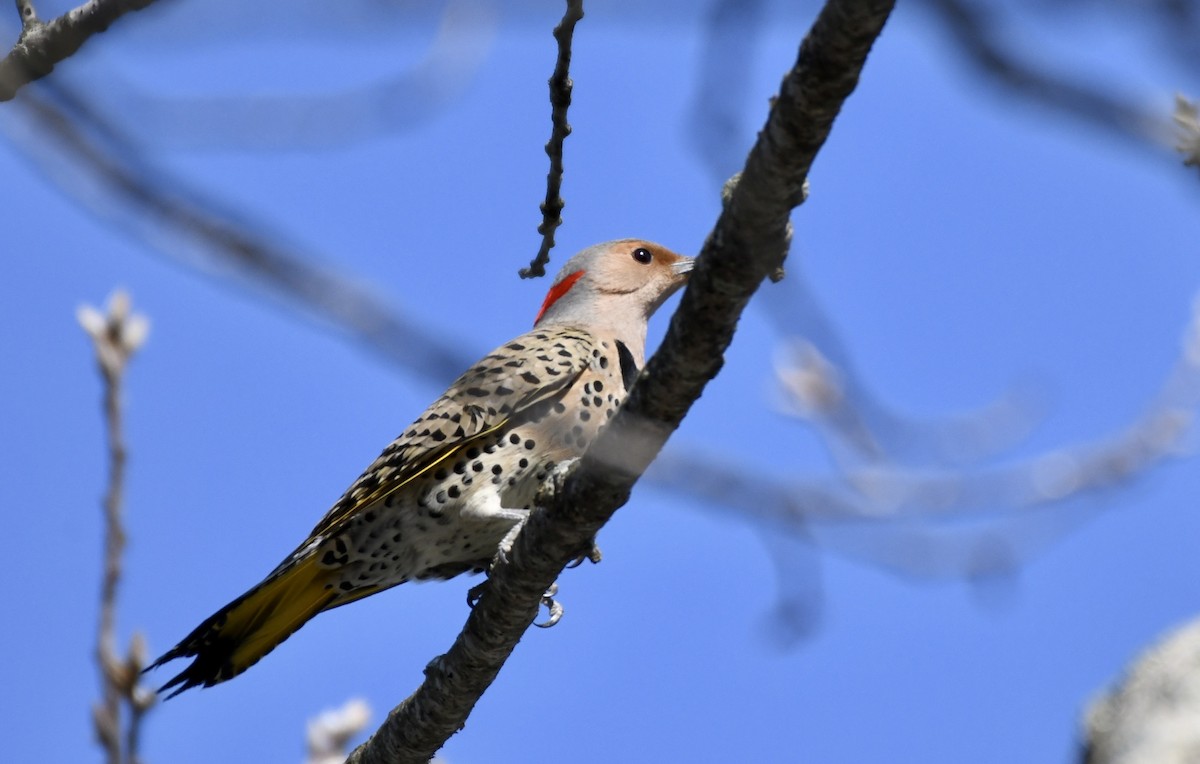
[
  {"x": 975, "y": 28},
  {"x": 111, "y": 176}
]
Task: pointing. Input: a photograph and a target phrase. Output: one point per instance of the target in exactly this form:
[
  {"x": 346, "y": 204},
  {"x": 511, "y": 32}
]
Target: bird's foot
[
  {"x": 554, "y": 482},
  {"x": 506, "y": 543},
  {"x": 553, "y": 606}
]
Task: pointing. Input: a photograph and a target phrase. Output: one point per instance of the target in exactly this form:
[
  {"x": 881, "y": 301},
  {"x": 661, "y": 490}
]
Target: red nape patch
[{"x": 557, "y": 291}]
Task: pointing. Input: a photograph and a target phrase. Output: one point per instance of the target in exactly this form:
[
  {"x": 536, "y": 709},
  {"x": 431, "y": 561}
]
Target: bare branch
[
  {"x": 748, "y": 243},
  {"x": 116, "y": 337},
  {"x": 560, "y": 101},
  {"x": 42, "y": 45}
]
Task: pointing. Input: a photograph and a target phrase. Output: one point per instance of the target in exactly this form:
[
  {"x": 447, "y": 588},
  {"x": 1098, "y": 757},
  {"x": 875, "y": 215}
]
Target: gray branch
[
  {"x": 749, "y": 242},
  {"x": 43, "y": 45},
  {"x": 182, "y": 222}
]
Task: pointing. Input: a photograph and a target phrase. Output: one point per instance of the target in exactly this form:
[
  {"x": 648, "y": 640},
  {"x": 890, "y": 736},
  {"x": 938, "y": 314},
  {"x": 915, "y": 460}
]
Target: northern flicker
[{"x": 446, "y": 492}]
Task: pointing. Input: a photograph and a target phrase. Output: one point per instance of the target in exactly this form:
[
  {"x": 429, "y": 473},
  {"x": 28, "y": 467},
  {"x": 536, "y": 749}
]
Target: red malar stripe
[{"x": 557, "y": 291}]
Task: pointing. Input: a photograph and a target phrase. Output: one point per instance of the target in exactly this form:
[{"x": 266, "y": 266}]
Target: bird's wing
[{"x": 531, "y": 369}]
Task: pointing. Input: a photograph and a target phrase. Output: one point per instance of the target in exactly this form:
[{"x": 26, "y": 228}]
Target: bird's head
[{"x": 613, "y": 283}]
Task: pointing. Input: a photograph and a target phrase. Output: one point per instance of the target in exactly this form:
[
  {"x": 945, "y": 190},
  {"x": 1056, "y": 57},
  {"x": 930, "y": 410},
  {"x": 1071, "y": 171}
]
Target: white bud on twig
[
  {"x": 117, "y": 334},
  {"x": 331, "y": 731}
]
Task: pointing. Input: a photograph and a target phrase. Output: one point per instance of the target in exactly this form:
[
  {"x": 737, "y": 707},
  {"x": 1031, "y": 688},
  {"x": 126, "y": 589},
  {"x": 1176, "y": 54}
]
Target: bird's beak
[{"x": 683, "y": 266}]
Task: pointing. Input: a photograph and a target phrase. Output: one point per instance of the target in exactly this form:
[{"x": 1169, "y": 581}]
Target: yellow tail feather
[{"x": 238, "y": 635}]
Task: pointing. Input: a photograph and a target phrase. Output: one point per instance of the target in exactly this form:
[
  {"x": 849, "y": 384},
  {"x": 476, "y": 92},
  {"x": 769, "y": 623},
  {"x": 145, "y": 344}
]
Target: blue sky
[{"x": 959, "y": 241}]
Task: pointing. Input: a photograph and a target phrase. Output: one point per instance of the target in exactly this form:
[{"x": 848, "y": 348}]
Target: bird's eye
[{"x": 642, "y": 255}]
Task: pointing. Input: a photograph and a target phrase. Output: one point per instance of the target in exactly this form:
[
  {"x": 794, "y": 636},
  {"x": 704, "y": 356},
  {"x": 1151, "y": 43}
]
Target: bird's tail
[{"x": 235, "y": 637}]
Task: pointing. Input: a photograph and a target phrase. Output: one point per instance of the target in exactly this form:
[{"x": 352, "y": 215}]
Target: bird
[{"x": 451, "y": 488}]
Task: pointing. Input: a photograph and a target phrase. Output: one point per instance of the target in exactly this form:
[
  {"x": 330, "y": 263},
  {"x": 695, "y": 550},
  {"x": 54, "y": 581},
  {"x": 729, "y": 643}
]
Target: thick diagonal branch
[{"x": 749, "y": 242}]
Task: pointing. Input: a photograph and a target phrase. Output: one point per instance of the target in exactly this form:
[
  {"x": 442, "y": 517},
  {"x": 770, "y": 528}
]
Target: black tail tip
[{"x": 184, "y": 680}]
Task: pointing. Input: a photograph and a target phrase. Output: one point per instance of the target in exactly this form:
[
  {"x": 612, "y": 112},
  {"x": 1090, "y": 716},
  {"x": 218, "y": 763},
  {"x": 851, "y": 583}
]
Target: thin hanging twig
[{"x": 560, "y": 101}]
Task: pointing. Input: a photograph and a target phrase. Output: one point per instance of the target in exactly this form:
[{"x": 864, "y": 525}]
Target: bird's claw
[
  {"x": 592, "y": 555},
  {"x": 506, "y": 544},
  {"x": 552, "y": 605}
]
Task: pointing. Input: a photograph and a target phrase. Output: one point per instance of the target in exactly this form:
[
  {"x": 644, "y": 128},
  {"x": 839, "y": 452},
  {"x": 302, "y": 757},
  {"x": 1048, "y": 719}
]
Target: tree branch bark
[
  {"x": 749, "y": 243},
  {"x": 42, "y": 45}
]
